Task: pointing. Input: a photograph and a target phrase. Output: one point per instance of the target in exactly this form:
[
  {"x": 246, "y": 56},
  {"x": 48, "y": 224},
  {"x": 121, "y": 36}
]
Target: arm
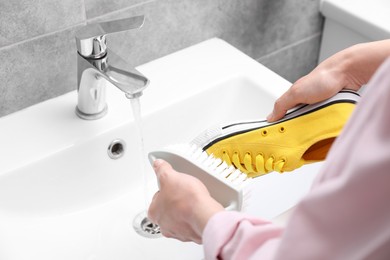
[
  {"x": 350, "y": 68},
  {"x": 345, "y": 216}
]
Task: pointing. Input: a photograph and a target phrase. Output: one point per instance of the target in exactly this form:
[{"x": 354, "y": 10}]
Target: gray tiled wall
[{"x": 38, "y": 53}]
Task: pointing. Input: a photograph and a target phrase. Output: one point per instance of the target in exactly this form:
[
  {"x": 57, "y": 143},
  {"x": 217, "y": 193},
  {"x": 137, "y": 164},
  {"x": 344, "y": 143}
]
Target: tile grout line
[
  {"x": 84, "y": 22},
  {"x": 119, "y": 11},
  {"x": 290, "y": 45},
  {"x": 41, "y": 36},
  {"x": 84, "y": 11}
]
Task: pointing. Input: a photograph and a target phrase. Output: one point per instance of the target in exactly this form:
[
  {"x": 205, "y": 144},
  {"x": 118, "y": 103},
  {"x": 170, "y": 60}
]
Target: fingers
[
  {"x": 323, "y": 82},
  {"x": 287, "y": 101}
]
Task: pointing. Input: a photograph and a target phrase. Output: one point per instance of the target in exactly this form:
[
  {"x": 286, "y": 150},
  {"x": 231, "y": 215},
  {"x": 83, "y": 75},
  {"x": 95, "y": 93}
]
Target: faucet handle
[{"x": 91, "y": 39}]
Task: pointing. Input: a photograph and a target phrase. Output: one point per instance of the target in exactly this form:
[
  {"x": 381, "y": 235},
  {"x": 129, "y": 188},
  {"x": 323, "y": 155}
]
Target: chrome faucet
[{"x": 98, "y": 67}]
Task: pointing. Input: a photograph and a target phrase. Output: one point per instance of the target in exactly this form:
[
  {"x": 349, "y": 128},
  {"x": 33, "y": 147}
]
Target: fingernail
[
  {"x": 157, "y": 163},
  {"x": 151, "y": 158},
  {"x": 270, "y": 116}
]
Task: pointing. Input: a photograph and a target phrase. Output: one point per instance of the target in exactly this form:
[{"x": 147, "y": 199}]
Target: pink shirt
[{"x": 346, "y": 215}]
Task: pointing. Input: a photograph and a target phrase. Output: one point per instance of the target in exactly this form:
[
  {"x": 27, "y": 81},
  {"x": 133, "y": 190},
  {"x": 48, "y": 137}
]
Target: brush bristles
[
  {"x": 220, "y": 169},
  {"x": 214, "y": 165}
]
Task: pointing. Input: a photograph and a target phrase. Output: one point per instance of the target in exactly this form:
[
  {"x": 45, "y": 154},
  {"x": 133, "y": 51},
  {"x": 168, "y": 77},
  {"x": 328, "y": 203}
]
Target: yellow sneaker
[{"x": 303, "y": 136}]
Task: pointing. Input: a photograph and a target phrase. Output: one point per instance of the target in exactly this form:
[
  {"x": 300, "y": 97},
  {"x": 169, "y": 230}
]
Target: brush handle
[{"x": 219, "y": 188}]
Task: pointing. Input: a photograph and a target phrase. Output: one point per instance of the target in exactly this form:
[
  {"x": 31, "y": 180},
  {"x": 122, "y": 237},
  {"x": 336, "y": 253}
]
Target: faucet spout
[
  {"x": 94, "y": 75},
  {"x": 98, "y": 67},
  {"x": 125, "y": 77}
]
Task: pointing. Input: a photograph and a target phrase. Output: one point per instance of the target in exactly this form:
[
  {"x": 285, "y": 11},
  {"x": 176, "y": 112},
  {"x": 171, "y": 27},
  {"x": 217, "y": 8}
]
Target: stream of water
[
  {"x": 141, "y": 224},
  {"x": 136, "y": 108}
]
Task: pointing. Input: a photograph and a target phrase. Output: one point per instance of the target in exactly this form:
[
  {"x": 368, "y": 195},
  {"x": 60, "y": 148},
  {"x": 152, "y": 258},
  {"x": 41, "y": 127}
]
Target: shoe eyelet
[
  {"x": 264, "y": 133},
  {"x": 282, "y": 129}
]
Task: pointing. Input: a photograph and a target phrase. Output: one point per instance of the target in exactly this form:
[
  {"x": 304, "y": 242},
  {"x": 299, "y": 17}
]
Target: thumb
[{"x": 162, "y": 169}]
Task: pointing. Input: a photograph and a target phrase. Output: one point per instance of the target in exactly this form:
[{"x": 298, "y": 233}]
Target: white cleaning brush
[{"x": 226, "y": 184}]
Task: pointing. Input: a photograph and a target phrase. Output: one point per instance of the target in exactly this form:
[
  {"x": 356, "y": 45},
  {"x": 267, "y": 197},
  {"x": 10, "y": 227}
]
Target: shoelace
[{"x": 261, "y": 165}]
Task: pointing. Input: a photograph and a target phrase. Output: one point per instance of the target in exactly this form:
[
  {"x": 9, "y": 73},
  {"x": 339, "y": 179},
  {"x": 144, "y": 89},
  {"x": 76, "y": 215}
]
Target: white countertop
[{"x": 371, "y": 17}]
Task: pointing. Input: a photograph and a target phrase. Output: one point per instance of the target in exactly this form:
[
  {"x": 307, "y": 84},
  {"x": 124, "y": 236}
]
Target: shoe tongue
[{"x": 207, "y": 136}]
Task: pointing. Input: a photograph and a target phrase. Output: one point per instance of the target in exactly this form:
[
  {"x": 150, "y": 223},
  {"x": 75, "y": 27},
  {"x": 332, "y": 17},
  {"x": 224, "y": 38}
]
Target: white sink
[{"x": 62, "y": 197}]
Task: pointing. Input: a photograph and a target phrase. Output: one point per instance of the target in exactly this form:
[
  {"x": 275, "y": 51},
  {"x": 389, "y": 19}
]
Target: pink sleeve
[
  {"x": 238, "y": 236},
  {"x": 346, "y": 215}
]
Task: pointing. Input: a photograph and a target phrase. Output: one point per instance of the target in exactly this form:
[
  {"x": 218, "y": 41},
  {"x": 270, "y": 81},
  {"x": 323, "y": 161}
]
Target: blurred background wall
[{"x": 38, "y": 52}]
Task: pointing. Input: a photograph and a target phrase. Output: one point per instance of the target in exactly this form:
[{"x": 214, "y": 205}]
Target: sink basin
[{"x": 63, "y": 197}]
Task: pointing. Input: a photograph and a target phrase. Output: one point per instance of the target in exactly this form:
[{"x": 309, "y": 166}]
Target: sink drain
[
  {"x": 144, "y": 227},
  {"x": 116, "y": 149}
]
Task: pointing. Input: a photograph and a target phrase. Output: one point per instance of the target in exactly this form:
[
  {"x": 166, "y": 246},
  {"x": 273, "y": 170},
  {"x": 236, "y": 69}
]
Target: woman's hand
[
  {"x": 183, "y": 205},
  {"x": 349, "y": 69}
]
